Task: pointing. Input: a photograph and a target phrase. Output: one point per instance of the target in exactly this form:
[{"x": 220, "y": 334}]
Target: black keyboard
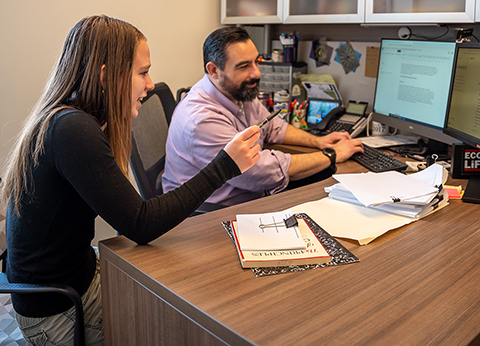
[{"x": 377, "y": 161}]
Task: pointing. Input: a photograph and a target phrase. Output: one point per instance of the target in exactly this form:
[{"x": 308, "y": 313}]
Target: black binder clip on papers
[
  {"x": 431, "y": 159},
  {"x": 289, "y": 222}
]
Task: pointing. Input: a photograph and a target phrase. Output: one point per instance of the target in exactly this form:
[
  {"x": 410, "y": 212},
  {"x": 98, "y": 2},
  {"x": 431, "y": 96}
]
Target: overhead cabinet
[
  {"x": 323, "y": 11},
  {"x": 251, "y": 11},
  {"x": 420, "y": 11},
  {"x": 348, "y": 11}
]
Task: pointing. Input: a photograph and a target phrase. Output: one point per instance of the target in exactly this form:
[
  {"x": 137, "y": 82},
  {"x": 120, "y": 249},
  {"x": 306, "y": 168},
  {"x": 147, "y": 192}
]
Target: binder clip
[
  {"x": 431, "y": 159},
  {"x": 291, "y": 221},
  {"x": 288, "y": 223}
]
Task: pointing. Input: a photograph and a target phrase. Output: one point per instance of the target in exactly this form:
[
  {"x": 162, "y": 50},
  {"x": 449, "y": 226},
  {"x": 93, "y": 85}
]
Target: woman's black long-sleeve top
[{"x": 77, "y": 179}]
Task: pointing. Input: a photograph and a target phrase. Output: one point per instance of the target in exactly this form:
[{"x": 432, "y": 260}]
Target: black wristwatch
[{"x": 331, "y": 154}]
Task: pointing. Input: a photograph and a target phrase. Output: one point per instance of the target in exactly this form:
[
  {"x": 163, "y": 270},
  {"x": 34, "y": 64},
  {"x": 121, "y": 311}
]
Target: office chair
[
  {"x": 21, "y": 288},
  {"x": 181, "y": 92},
  {"x": 149, "y": 137},
  {"x": 150, "y": 129}
]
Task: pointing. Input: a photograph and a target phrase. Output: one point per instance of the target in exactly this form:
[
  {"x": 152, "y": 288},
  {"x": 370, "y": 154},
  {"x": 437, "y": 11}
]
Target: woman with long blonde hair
[{"x": 70, "y": 164}]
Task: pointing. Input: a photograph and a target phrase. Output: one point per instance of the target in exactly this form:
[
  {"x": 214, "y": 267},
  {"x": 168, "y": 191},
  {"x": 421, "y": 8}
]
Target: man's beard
[{"x": 242, "y": 93}]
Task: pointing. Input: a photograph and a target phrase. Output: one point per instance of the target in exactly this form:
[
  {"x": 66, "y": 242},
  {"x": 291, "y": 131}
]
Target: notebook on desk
[{"x": 339, "y": 254}]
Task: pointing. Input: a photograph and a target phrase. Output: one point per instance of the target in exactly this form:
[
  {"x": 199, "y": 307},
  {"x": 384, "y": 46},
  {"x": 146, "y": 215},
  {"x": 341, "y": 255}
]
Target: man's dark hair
[{"x": 216, "y": 44}]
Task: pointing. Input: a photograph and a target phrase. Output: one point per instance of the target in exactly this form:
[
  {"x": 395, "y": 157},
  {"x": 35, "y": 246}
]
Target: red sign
[{"x": 471, "y": 160}]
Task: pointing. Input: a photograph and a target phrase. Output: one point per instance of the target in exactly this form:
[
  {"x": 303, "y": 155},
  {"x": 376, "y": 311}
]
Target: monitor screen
[
  {"x": 463, "y": 117},
  {"x": 463, "y": 112},
  {"x": 412, "y": 86},
  {"x": 318, "y": 109}
]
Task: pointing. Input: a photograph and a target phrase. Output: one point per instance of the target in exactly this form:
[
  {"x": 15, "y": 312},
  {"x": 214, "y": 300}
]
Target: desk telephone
[{"x": 351, "y": 119}]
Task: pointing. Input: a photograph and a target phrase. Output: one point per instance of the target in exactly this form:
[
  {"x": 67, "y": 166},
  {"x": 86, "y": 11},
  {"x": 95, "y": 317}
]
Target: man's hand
[
  {"x": 243, "y": 149},
  {"x": 345, "y": 148},
  {"x": 331, "y": 139}
]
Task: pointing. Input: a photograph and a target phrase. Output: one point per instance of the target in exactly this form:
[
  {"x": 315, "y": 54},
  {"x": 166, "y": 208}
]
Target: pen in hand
[{"x": 270, "y": 117}]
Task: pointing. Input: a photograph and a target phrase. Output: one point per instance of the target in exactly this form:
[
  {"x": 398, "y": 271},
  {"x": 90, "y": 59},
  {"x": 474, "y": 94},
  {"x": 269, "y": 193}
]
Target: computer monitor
[
  {"x": 462, "y": 119},
  {"x": 412, "y": 87}
]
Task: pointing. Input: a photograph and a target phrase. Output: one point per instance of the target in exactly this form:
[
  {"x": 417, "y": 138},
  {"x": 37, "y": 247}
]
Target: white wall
[{"x": 32, "y": 34}]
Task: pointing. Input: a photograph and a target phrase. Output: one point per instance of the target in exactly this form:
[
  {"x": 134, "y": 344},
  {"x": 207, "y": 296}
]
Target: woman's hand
[{"x": 243, "y": 149}]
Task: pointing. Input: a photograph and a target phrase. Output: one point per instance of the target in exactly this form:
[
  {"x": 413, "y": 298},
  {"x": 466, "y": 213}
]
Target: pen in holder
[
  {"x": 290, "y": 46},
  {"x": 298, "y": 119},
  {"x": 289, "y": 53}
]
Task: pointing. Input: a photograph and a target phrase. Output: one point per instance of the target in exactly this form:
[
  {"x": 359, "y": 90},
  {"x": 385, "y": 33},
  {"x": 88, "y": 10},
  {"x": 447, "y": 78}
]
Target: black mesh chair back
[
  {"x": 150, "y": 129},
  {"x": 149, "y": 138}
]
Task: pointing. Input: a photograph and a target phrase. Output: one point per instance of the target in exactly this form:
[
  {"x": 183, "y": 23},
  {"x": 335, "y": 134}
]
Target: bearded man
[{"x": 223, "y": 103}]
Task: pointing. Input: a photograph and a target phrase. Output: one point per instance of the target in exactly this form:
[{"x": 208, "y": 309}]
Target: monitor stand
[{"x": 472, "y": 192}]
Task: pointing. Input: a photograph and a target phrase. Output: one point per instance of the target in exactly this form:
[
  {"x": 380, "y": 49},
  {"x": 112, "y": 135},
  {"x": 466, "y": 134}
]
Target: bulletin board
[{"x": 354, "y": 85}]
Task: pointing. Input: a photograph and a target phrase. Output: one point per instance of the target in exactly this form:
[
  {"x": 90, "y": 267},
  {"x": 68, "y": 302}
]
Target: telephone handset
[
  {"x": 331, "y": 116},
  {"x": 351, "y": 119}
]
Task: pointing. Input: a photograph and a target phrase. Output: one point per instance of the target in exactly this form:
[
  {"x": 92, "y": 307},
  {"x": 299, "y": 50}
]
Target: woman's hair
[{"x": 93, "y": 44}]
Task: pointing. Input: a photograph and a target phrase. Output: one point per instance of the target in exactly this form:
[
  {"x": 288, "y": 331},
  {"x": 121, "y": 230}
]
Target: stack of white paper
[{"x": 412, "y": 195}]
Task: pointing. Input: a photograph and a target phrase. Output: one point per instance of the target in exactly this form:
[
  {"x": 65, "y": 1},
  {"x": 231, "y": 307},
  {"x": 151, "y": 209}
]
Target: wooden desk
[{"x": 416, "y": 285}]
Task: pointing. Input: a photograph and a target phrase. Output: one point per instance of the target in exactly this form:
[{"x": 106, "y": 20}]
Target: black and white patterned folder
[{"x": 340, "y": 255}]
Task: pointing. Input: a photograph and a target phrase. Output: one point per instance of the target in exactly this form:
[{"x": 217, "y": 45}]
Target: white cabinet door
[
  {"x": 419, "y": 11},
  {"x": 323, "y": 11},
  {"x": 349, "y": 11},
  {"x": 251, "y": 11},
  {"x": 477, "y": 11}
]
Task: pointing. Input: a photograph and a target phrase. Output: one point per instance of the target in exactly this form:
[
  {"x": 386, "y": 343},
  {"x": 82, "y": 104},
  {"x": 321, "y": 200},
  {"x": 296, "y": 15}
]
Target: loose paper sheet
[
  {"x": 348, "y": 218},
  {"x": 351, "y": 221}
]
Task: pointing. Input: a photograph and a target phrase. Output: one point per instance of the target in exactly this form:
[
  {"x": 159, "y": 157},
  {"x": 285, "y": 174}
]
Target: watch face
[
  {"x": 331, "y": 154},
  {"x": 329, "y": 151}
]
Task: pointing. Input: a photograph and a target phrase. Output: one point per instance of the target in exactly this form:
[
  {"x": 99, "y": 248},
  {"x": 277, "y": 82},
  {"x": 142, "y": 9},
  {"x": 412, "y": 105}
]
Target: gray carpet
[{"x": 10, "y": 335}]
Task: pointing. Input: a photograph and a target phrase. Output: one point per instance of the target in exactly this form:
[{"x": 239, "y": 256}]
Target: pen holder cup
[
  {"x": 290, "y": 53},
  {"x": 298, "y": 119}
]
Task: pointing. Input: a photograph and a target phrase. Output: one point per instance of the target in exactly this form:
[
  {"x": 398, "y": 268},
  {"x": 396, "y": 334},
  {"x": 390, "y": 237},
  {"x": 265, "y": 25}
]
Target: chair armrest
[
  {"x": 3, "y": 242},
  {"x": 20, "y": 288}
]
